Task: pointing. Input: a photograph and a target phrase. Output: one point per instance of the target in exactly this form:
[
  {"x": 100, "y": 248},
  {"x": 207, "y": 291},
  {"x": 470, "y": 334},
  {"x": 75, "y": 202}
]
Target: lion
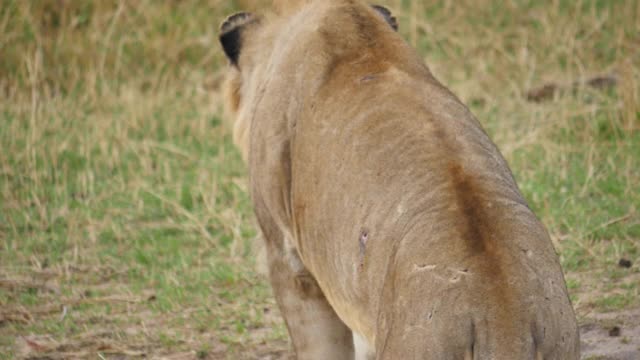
[{"x": 390, "y": 219}]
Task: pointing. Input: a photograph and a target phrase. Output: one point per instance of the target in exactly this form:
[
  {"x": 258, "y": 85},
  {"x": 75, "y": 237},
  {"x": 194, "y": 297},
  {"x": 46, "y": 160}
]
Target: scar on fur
[
  {"x": 364, "y": 237},
  {"x": 423, "y": 267},
  {"x": 367, "y": 78}
]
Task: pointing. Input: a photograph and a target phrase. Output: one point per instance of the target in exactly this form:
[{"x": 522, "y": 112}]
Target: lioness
[{"x": 388, "y": 214}]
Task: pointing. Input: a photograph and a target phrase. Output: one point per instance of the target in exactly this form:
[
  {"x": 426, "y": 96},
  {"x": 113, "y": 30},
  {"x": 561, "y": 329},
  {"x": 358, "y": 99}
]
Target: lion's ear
[
  {"x": 231, "y": 34},
  {"x": 387, "y": 15}
]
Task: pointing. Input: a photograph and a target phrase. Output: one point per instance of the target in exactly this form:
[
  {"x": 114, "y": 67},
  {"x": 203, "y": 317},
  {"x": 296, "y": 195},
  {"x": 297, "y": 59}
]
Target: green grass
[
  {"x": 123, "y": 199},
  {"x": 614, "y": 302},
  {"x": 166, "y": 218}
]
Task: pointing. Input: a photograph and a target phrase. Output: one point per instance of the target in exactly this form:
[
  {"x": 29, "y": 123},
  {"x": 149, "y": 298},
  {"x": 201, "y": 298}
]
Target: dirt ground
[
  {"x": 611, "y": 336},
  {"x": 604, "y": 336},
  {"x": 119, "y": 325}
]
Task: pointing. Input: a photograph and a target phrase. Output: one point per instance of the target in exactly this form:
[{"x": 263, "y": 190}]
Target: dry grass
[{"x": 125, "y": 227}]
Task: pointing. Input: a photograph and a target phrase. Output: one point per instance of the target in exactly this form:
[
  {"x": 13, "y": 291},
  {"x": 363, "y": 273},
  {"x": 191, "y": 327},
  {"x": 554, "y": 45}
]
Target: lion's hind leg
[{"x": 314, "y": 328}]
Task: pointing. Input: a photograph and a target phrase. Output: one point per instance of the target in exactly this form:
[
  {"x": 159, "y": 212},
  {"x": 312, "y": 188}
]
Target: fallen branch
[
  {"x": 608, "y": 223},
  {"x": 548, "y": 91}
]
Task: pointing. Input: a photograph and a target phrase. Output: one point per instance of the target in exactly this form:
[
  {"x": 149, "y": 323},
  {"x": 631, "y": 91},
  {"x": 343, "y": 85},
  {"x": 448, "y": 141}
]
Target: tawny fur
[{"x": 386, "y": 210}]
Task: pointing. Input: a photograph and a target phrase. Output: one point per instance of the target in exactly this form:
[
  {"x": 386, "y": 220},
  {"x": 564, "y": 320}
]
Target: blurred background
[{"x": 125, "y": 225}]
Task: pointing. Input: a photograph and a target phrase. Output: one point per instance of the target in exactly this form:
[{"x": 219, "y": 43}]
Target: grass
[{"x": 125, "y": 226}]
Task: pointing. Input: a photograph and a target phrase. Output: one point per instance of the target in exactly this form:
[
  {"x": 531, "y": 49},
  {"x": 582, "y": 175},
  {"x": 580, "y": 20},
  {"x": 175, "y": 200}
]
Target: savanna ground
[{"x": 125, "y": 225}]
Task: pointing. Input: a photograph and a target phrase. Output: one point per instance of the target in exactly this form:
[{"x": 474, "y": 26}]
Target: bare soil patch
[{"x": 611, "y": 336}]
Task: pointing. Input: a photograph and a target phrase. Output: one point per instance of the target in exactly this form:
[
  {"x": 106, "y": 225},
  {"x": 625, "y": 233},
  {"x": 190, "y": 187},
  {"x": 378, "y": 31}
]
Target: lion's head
[{"x": 247, "y": 40}]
